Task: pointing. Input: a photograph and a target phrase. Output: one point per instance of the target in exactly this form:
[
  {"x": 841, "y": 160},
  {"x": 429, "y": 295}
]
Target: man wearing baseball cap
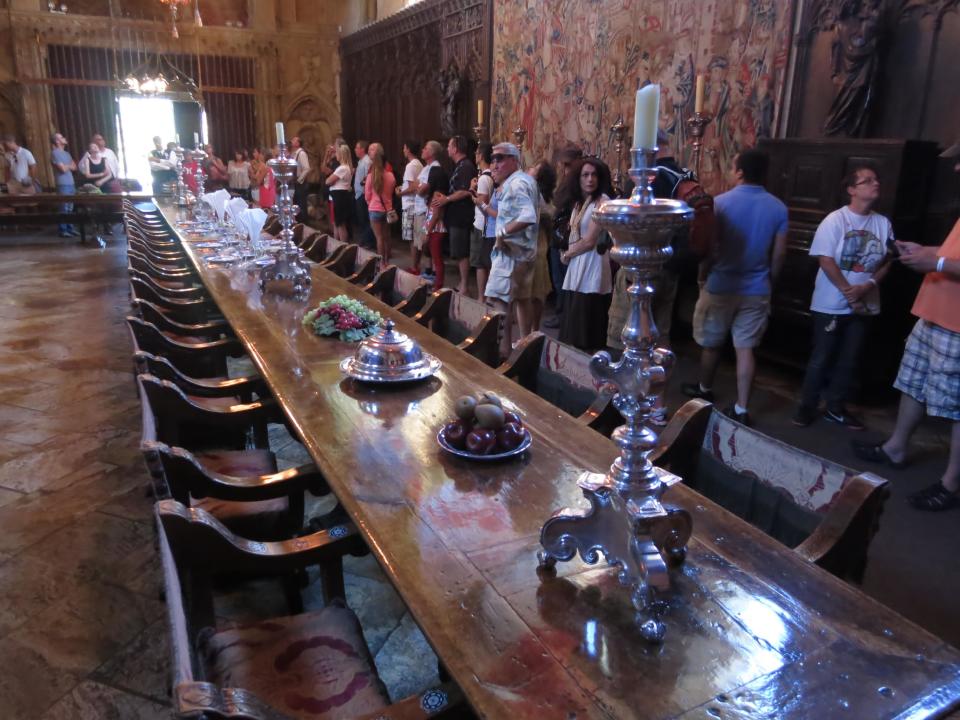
[{"x": 511, "y": 265}]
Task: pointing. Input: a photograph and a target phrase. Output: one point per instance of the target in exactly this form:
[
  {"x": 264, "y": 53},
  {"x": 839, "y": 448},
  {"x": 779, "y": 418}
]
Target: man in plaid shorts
[{"x": 929, "y": 377}]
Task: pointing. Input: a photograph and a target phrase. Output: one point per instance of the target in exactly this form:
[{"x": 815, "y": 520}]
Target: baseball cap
[{"x": 506, "y": 149}]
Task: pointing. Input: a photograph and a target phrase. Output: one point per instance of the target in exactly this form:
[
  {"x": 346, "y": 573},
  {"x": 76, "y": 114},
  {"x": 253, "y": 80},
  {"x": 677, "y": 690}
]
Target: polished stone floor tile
[
  {"x": 143, "y": 665},
  {"x": 94, "y": 701}
]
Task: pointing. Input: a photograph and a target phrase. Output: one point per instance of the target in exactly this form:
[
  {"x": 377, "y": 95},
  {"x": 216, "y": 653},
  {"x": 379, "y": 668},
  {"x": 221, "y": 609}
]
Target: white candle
[
  {"x": 480, "y": 111},
  {"x": 178, "y": 139},
  {"x": 646, "y": 115},
  {"x": 281, "y": 139},
  {"x": 701, "y": 88},
  {"x": 196, "y": 139}
]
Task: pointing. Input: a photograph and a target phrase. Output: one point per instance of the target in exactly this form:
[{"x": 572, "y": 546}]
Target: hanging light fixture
[
  {"x": 174, "y": 6},
  {"x": 158, "y": 76}
]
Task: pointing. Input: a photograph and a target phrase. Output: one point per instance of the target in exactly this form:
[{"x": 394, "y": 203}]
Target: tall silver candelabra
[
  {"x": 182, "y": 194},
  {"x": 288, "y": 274},
  {"x": 198, "y": 175},
  {"x": 627, "y": 523}
]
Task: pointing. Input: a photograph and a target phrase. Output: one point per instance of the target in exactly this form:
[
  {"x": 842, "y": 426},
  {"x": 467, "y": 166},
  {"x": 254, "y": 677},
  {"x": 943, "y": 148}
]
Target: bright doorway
[{"x": 140, "y": 119}]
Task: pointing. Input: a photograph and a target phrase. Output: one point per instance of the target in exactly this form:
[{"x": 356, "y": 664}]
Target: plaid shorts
[
  {"x": 406, "y": 230},
  {"x": 930, "y": 369}
]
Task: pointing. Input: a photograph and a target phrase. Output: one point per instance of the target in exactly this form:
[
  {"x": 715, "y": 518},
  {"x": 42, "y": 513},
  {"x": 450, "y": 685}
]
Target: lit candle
[
  {"x": 480, "y": 111},
  {"x": 196, "y": 139},
  {"x": 701, "y": 88},
  {"x": 178, "y": 139},
  {"x": 646, "y": 115},
  {"x": 281, "y": 139}
]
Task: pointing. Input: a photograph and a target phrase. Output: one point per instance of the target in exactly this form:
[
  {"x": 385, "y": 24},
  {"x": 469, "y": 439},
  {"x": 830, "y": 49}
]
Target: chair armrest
[
  {"x": 682, "y": 438},
  {"x": 436, "y": 309},
  {"x": 840, "y": 542},
  {"x": 484, "y": 341},
  {"x": 382, "y": 284},
  {"x": 524, "y": 359},
  {"x": 214, "y": 548},
  {"x": 433, "y": 703},
  {"x": 602, "y": 416},
  {"x": 206, "y": 700}
]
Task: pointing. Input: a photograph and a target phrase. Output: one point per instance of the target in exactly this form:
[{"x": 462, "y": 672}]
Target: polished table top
[{"x": 752, "y": 630}]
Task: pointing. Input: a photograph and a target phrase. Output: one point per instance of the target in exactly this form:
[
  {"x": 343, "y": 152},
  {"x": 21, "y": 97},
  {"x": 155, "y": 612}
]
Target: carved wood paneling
[{"x": 390, "y": 72}]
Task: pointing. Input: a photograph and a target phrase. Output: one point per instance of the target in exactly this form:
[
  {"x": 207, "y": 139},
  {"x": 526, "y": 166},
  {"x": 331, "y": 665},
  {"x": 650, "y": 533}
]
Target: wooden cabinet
[{"x": 806, "y": 175}]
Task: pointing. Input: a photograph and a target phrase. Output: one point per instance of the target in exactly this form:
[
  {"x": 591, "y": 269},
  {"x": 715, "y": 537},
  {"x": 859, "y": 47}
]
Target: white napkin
[
  {"x": 252, "y": 221},
  {"x": 218, "y": 201},
  {"x": 234, "y": 208}
]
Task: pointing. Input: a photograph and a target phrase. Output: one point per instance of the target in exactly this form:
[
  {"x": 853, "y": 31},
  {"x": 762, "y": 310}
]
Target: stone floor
[
  {"x": 82, "y": 626},
  {"x": 83, "y": 631}
]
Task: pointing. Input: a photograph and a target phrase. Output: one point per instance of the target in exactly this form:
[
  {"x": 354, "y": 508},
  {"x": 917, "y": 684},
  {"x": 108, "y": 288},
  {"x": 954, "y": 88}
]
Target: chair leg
[{"x": 331, "y": 575}]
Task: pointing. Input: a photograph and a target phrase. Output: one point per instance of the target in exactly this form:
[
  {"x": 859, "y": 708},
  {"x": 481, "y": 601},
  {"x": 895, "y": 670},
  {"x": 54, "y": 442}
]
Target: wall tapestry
[{"x": 565, "y": 69}]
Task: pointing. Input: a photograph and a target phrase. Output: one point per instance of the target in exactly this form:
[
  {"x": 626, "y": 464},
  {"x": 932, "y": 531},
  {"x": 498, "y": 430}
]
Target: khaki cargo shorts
[{"x": 743, "y": 316}]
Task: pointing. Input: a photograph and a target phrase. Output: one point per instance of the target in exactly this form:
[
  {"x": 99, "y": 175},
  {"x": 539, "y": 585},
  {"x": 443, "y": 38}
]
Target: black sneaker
[
  {"x": 804, "y": 416},
  {"x": 693, "y": 390},
  {"x": 741, "y": 417},
  {"x": 842, "y": 417}
]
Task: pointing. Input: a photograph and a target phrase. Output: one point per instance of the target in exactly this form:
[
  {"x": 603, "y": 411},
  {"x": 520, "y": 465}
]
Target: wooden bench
[
  {"x": 403, "y": 291},
  {"x": 470, "y": 325},
  {"x": 45, "y": 209},
  {"x": 560, "y": 374},
  {"x": 826, "y": 512},
  {"x": 221, "y": 672}
]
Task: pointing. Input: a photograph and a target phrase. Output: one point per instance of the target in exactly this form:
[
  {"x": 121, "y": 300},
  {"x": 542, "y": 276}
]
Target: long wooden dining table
[{"x": 753, "y": 630}]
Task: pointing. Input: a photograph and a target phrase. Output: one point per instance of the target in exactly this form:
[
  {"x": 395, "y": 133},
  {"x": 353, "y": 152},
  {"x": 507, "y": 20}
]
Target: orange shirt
[{"x": 939, "y": 297}]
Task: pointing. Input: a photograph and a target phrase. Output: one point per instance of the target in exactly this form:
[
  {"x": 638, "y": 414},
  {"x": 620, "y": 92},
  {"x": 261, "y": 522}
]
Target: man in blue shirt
[
  {"x": 63, "y": 168},
  {"x": 751, "y": 247}
]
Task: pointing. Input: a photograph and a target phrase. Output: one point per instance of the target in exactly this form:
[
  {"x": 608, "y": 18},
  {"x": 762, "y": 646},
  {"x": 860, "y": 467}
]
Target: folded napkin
[
  {"x": 218, "y": 201},
  {"x": 252, "y": 222},
  {"x": 234, "y": 208}
]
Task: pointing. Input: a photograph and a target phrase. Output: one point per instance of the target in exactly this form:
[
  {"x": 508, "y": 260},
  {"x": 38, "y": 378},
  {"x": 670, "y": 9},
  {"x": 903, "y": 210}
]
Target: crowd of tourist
[{"x": 526, "y": 234}]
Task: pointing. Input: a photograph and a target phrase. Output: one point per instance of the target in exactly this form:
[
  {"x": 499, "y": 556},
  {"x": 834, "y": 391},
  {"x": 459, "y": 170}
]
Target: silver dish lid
[{"x": 390, "y": 356}]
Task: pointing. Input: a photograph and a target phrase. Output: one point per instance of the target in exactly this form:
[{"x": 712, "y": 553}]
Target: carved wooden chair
[
  {"x": 196, "y": 422},
  {"x": 206, "y": 331},
  {"x": 184, "y": 311},
  {"x": 465, "y": 322},
  {"x": 321, "y": 246},
  {"x": 364, "y": 267},
  {"x": 245, "y": 389},
  {"x": 404, "y": 291},
  {"x": 560, "y": 374},
  {"x": 826, "y": 512},
  {"x": 192, "y": 355},
  {"x": 171, "y": 289},
  {"x": 342, "y": 260},
  {"x": 160, "y": 257},
  {"x": 141, "y": 263},
  {"x": 221, "y": 672}
]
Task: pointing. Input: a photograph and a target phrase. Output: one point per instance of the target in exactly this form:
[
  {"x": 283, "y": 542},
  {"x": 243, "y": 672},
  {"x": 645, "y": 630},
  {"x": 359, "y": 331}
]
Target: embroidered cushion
[{"x": 315, "y": 665}]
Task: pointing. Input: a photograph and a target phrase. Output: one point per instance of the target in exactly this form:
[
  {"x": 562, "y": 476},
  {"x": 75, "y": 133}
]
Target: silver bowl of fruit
[{"x": 484, "y": 430}]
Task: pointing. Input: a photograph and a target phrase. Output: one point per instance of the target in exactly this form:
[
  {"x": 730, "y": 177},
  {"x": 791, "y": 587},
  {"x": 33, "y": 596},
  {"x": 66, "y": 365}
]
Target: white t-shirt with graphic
[
  {"x": 858, "y": 244},
  {"x": 344, "y": 174}
]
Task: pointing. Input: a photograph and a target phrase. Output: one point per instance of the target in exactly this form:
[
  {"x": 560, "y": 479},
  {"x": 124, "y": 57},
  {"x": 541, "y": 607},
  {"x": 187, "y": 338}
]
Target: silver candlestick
[
  {"x": 627, "y": 523},
  {"x": 289, "y": 274},
  {"x": 198, "y": 175},
  {"x": 183, "y": 198}
]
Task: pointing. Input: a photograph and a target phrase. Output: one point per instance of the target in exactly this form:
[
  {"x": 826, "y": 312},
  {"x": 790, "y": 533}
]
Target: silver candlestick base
[
  {"x": 183, "y": 193},
  {"x": 198, "y": 175},
  {"x": 627, "y": 523},
  {"x": 289, "y": 274}
]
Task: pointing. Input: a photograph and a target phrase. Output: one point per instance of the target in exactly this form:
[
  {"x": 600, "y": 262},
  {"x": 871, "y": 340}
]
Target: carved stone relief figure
[
  {"x": 855, "y": 67},
  {"x": 450, "y": 82}
]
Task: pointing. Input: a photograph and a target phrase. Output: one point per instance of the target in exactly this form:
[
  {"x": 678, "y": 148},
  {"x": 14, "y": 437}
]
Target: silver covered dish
[{"x": 389, "y": 357}]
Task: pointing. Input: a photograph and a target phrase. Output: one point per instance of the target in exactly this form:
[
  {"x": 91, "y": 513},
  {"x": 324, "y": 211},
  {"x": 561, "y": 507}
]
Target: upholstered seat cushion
[
  {"x": 315, "y": 665},
  {"x": 258, "y": 520}
]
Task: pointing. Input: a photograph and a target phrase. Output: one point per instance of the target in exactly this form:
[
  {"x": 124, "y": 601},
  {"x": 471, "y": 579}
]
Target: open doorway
[{"x": 139, "y": 120}]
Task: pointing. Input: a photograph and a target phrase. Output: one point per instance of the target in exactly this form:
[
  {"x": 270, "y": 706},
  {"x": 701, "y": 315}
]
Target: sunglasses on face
[{"x": 500, "y": 158}]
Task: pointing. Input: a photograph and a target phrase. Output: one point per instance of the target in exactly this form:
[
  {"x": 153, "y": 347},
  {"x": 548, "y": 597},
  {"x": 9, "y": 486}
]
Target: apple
[
  {"x": 456, "y": 434},
  {"x": 509, "y": 437},
  {"x": 511, "y": 417},
  {"x": 481, "y": 442}
]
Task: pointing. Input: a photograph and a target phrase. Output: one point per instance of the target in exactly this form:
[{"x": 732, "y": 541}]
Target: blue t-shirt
[
  {"x": 59, "y": 155},
  {"x": 748, "y": 219}
]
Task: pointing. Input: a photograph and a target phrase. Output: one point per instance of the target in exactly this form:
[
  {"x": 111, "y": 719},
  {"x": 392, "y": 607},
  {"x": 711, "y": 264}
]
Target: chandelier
[
  {"x": 174, "y": 6},
  {"x": 158, "y": 76}
]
